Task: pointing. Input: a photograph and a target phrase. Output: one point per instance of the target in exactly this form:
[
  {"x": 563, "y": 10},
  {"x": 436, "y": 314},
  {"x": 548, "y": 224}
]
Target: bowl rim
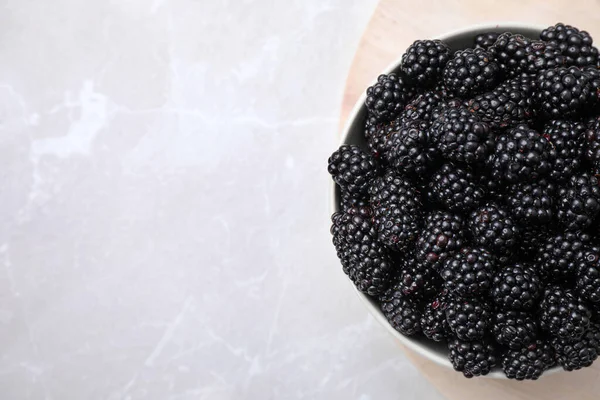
[{"x": 409, "y": 342}]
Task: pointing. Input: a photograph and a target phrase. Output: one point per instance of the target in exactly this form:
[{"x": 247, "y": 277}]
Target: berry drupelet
[
  {"x": 563, "y": 314},
  {"x": 386, "y": 98},
  {"x": 461, "y": 136},
  {"x": 469, "y": 72},
  {"x": 514, "y": 329},
  {"x": 468, "y": 319},
  {"x": 469, "y": 272},
  {"x": 493, "y": 228},
  {"x": 528, "y": 362},
  {"x": 352, "y": 168},
  {"x": 443, "y": 234},
  {"x": 579, "y": 201},
  {"x": 472, "y": 358},
  {"x": 520, "y": 155},
  {"x": 424, "y": 61},
  {"x": 516, "y": 287},
  {"x": 454, "y": 188},
  {"x": 532, "y": 202}
]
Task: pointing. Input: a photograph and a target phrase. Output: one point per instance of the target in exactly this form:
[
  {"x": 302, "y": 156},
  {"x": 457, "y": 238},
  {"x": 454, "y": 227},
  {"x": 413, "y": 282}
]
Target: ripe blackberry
[
  {"x": 531, "y": 202},
  {"x": 472, "y": 358},
  {"x": 588, "y": 277},
  {"x": 528, "y": 362},
  {"x": 445, "y": 105},
  {"x": 424, "y": 61},
  {"x": 579, "y": 201},
  {"x": 560, "y": 256},
  {"x": 514, "y": 329},
  {"x": 507, "y": 105},
  {"x": 517, "y": 54},
  {"x": 386, "y": 98},
  {"x": 566, "y": 140},
  {"x": 433, "y": 319},
  {"x": 576, "y": 45},
  {"x": 516, "y": 287},
  {"x": 363, "y": 259},
  {"x": 421, "y": 108},
  {"x": 393, "y": 188},
  {"x": 352, "y": 168},
  {"x": 377, "y": 134},
  {"x": 401, "y": 312},
  {"x": 493, "y": 228},
  {"x": 442, "y": 235},
  {"x": 469, "y": 272},
  {"x": 562, "y": 314},
  {"x": 461, "y": 137},
  {"x": 454, "y": 188},
  {"x": 410, "y": 150},
  {"x": 592, "y": 143},
  {"x": 469, "y": 72},
  {"x": 576, "y": 354},
  {"x": 396, "y": 229},
  {"x": 417, "y": 280},
  {"x": 486, "y": 40},
  {"x": 563, "y": 92},
  {"x": 520, "y": 155},
  {"x": 468, "y": 319}
]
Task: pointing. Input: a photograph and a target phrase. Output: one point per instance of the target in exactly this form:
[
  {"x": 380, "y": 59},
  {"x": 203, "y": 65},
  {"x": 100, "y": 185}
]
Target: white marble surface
[{"x": 164, "y": 220}]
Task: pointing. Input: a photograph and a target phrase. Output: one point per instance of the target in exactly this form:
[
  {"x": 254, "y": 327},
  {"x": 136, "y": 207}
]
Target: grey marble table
[{"x": 164, "y": 229}]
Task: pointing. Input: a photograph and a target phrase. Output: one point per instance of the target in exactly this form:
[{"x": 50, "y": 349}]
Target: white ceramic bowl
[{"x": 353, "y": 134}]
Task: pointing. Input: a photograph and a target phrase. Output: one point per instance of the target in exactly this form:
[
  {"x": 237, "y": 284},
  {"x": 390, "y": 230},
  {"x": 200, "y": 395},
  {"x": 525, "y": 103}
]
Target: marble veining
[{"x": 164, "y": 220}]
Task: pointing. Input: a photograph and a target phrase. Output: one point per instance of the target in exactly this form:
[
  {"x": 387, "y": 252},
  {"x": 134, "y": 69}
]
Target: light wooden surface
[{"x": 394, "y": 26}]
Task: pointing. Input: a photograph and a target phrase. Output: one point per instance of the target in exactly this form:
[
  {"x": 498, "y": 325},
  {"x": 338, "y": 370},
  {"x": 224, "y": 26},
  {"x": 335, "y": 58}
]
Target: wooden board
[{"x": 394, "y": 25}]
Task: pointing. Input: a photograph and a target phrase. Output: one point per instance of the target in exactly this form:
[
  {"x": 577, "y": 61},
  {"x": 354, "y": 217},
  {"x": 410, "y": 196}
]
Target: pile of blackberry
[{"x": 472, "y": 212}]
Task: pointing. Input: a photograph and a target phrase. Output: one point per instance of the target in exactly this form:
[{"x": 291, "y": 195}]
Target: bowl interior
[{"x": 353, "y": 134}]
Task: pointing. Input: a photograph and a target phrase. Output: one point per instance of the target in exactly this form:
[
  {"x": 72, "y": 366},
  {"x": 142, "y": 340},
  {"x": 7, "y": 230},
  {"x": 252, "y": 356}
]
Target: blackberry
[
  {"x": 472, "y": 358},
  {"x": 377, "y": 134},
  {"x": 486, "y": 40},
  {"x": 421, "y": 108},
  {"x": 424, "y": 61},
  {"x": 454, "y": 188},
  {"x": 579, "y": 201},
  {"x": 468, "y": 319},
  {"x": 493, "y": 228},
  {"x": 507, "y": 105},
  {"x": 532, "y": 203},
  {"x": 576, "y": 354},
  {"x": 469, "y": 72},
  {"x": 409, "y": 149},
  {"x": 363, "y": 259},
  {"x": 401, "y": 312},
  {"x": 386, "y": 98},
  {"x": 433, "y": 319},
  {"x": 563, "y": 92},
  {"x": 566, "y": 140},
  {"x": 562, "y": 314},
  {"x": 442, "y": 235},
  {"x": 448, "y": 104},
  {"x": 418, "y": 281},
  {"x": 469, "y": 272},
  {"x": 576, "y": 45},
  {"x": 521, "y": 154},
  {"x": 516, "y": 287},
  {"x": 393, "y": 188},
  {"x": 396, "y": 229},
  {"x": 588, "y": 277},
  {"x": 592, "y": 143},
  {"x": 352, "y": 168},
  {"x": 514, "y": 329},
  {"x": 560, "y": 256},
  {"x": 356, "y": 204},
  {"x": 528, "y": 362},
  {"x": 517, "y": 54},
  {"x": 461, "y": 137}
]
